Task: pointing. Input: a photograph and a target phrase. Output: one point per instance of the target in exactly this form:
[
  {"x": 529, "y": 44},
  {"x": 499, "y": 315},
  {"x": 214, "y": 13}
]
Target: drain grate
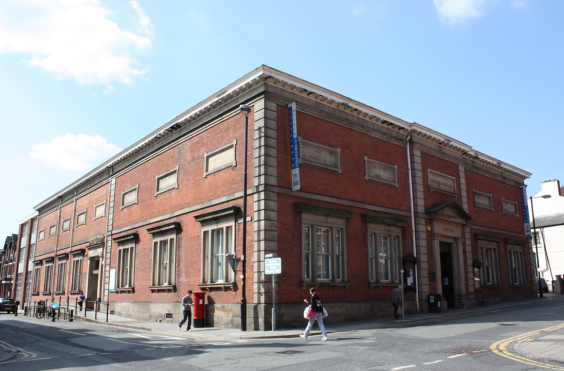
[
  {"x": 465, "y": 350},
  {"x": 290, "y": 352}
]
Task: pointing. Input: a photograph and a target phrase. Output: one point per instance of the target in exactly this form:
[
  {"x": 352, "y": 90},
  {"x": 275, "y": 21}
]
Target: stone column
[
  {"x": 420, "y": 227},
  {"x": 467, "y": 240},
  {"x": 265, "y": 207}
]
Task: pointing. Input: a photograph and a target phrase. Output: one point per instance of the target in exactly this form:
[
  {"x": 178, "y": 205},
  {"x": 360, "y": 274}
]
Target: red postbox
[{"x": 199, "y": 308}]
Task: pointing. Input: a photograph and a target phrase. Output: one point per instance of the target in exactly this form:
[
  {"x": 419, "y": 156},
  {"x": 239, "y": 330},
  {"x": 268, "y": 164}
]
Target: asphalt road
[{"x": 457, "y": 344}]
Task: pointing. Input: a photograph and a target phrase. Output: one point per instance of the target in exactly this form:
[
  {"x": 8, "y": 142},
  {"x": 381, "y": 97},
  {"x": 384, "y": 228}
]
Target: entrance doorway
[
  {"x": 93, "y": 274},
  {"x": 447, "y": 273}
]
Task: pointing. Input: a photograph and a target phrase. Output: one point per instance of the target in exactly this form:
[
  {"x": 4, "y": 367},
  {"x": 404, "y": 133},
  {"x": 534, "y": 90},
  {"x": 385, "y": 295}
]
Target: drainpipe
[{"x": 412, "y": 218}]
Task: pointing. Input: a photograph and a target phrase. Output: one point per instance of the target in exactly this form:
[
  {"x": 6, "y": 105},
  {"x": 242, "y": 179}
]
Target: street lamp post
[
  {"x": 536, "y": 244},
  {"x": 245, "y": 109}
]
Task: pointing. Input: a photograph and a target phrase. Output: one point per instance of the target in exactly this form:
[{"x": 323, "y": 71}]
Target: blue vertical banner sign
[
  {"x": 294, "y": 147},
  {"x": 525, "y": 208}
]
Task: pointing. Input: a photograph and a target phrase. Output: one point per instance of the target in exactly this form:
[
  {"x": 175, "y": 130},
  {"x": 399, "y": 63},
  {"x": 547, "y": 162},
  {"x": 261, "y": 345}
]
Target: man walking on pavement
[
  {"x": 187, "y": 303},
  {"x": 396, "y": 301}
]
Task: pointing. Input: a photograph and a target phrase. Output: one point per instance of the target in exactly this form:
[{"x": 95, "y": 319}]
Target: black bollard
[{"x": 71, "y": 314}]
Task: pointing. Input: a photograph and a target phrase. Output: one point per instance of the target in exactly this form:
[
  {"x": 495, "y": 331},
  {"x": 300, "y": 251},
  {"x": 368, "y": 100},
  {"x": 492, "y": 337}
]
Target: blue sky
[{"x": 81, "y": 79}]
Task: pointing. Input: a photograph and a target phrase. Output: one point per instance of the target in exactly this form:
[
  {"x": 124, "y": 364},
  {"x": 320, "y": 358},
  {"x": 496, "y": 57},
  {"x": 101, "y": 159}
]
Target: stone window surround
[
  {"x": 130, "y": 247},
  {"x": 96, "y": 206},
  {"x": 60, "y": 282},
  {"x": 229, "y": 279},
  {"x": 303, "y": 161},
  {"x": 158, "y": 177},
  {"x": 367, "y": 177},
  {"x": 47, "y": 281},
  {"x": 483, "y": 194},
  {"x": 76, "y": 265},
  {"x": 123, "y": 193},
  {"x": 503, "y": 201},
  {"x": 221, "y": 149},
  {"x": 483, "y": 243},
  {"x": 333, "y": 223},
  {"x": 168, "y": 231},
  {"x": 392, "y": 232},
  {"x": 63, "y": 225},
  {"x": 54, "y": 229},
  {"x": 36, "y": 279},
  {"x": 521, "y": 268},
  {"x": 41, "y": 236},
  {"x": 78, "y": 224},
  {"x": 434, "y": 189}
]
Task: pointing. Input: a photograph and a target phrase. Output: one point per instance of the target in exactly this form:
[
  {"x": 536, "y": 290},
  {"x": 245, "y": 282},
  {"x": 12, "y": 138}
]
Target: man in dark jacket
[
  {"x": 396, "y": 301},
  {"x": 187, "y": 303}
]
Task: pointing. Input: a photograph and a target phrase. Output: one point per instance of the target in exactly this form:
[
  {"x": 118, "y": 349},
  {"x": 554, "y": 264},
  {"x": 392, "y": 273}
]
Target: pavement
[{"x": 547, "y": 344}]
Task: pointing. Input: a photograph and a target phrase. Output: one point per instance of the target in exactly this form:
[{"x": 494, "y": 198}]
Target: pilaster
[{"x": 265, "y": 202}]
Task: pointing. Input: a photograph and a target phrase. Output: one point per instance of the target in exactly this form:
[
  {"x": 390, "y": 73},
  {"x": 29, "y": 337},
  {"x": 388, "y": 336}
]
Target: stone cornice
[{"x": 265, "y": 74}]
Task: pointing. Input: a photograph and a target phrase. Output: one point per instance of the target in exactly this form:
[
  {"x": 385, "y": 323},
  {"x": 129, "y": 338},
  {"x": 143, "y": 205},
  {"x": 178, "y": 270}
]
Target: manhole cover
[
  {"x": 465, "y": 350},
  {"x": 290, "y": 351}
]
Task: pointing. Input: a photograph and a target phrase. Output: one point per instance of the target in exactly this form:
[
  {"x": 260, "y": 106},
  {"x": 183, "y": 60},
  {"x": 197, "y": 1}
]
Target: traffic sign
[{"x": 273, "y": 266}]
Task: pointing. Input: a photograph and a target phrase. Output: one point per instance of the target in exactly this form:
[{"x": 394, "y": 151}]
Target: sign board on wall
[
  {"x": 295, "y": 166},
  {"x": 525, "y": 208}
]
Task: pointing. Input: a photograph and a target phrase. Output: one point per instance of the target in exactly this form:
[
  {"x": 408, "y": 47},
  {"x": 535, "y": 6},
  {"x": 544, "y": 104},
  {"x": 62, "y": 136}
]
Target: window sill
[
  {"x": 222, "y": 285},
  {"x": 127, "y": 290},
  {"x": 74, "y": 292},
  {"x": 163, "y": 288},
  {"x": 46, "y": 293},
  {"x": 59, "y": 292},
  {"x": 34, "y": 294},
  {"x": 382, "y": 284},
  {"x": 335, "y": 285},
  {"x": 495, "y": 287}
]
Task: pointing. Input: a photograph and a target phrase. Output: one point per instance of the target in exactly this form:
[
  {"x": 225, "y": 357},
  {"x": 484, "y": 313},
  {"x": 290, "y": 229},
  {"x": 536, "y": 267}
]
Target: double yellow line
[
  {"x": 15, "y": 350},
  {"x": 500, "y": 348}
]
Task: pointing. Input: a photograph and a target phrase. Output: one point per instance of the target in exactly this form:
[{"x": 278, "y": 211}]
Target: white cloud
[
  {"x": 518, "y": 3},
  {"x": 73, "y": 38},
  {"x": 143, "y": 18},
  {"x": 73, "y": 152},
  {"x": 457, "y": 11}
]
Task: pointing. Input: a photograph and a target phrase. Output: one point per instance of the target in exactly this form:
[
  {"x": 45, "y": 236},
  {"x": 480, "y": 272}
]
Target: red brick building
[{"x": 161, "y": 217}]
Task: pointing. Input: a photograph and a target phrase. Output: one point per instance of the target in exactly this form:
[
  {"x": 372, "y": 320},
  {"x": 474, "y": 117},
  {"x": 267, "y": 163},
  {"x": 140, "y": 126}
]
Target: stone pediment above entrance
[
  {"x": 449, "y": 210},
  {"x": 96, "y": 242}
]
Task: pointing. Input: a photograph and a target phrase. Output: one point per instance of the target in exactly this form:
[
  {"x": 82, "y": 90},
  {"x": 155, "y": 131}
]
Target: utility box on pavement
[
  {"x": 199, "y": 309},
  {"x": 434, "y": 303}
]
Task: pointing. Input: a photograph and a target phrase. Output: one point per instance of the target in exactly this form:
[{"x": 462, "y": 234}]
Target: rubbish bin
[
  {"x": 199, "y": 308},
  {"x": 434, "y": 303}
]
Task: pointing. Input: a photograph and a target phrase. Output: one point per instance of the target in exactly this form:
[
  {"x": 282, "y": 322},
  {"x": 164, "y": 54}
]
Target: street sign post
[{"x": 273, "y": 266}]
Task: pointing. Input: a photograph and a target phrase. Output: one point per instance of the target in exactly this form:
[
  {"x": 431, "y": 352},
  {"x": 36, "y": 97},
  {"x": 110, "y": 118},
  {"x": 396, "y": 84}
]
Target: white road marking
[
  {"x": 458, "y": 355},
  {"x": 36, "y": 359},
  {"x": 430, "y": 363},
  {"x": 70, "y": 332},
  {"x": 402, "y": 367},
  {"x": 141, "y": 336}
]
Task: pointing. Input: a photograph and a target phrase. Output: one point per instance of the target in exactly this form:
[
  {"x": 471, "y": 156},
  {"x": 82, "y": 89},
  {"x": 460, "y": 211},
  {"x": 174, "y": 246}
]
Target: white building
[{"x": 549, "y": 214}]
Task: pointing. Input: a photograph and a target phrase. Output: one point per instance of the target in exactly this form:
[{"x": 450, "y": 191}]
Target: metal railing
[{"x": 44, "y": 309}]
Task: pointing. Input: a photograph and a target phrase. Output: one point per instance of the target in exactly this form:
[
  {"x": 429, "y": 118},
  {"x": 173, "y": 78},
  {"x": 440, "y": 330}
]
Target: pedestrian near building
[
  {"x": 396, "y": 301},
  {"x": 81, "y": 298},
  {"x": 317, "y": 307},
  {"x": 187, "y": 303}
]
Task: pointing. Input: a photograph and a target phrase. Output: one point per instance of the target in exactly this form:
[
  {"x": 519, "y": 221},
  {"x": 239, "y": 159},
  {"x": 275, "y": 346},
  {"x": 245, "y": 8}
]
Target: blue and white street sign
[
  {"x": 273, "y": 266},
  {"x": 525, "y": 208},
  {"x": 294, "y": 147}
]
